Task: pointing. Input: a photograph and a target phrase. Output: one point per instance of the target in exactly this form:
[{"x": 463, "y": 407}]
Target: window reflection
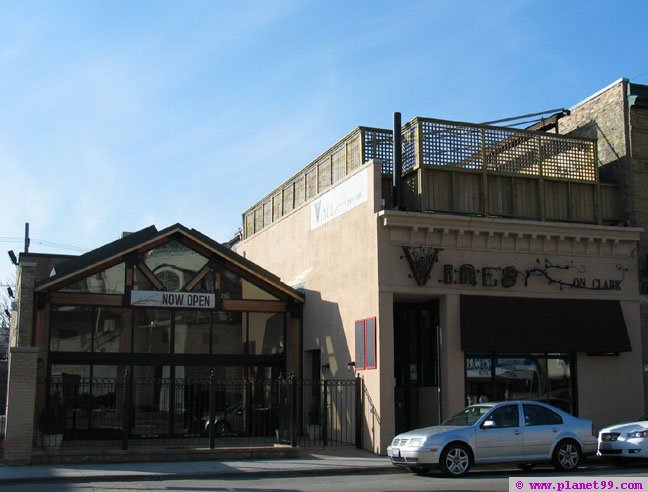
[
  {"x": 174, "y": 264},
  {"x": 110, "y": 281},
  {"x": 152, "y": 331},
  {"x": 71, "y": 329},
  {"x": 192, "y": 332},
  {"x": 546, "y": 378},
  {"x": 228, "y": 336},
  {"x": 109, "y": 334},
  {"x": 265, "y": 333}
]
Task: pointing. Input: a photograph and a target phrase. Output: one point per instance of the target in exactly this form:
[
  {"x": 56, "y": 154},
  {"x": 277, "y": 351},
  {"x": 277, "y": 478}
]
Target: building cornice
[{"x": 497, "y": 234}]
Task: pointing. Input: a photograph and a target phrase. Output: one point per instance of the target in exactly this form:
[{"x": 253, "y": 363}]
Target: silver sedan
[{"x": 520, "y": 432}]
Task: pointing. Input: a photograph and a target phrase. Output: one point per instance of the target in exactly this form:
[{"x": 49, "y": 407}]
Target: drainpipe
[{"x": 398, "y": 163}]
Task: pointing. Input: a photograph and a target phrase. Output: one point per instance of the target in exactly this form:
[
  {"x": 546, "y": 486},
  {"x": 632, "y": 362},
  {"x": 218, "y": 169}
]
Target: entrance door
[{"x": 416, "y": 365}]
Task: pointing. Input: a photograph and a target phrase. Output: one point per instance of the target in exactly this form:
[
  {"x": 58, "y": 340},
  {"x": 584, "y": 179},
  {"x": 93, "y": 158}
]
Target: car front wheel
[
  {"x": 455, "y": 460},
  {"x": 566, "y": 456}
]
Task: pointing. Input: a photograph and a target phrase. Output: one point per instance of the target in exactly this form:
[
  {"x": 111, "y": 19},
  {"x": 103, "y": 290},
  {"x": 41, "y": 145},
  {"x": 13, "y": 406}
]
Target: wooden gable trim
[
  {"x": 76, "y": 298},
  {"x": 198, "y": 277},
  {"x": 254, "y": 306},
  {"x": 146, "y": 271}
]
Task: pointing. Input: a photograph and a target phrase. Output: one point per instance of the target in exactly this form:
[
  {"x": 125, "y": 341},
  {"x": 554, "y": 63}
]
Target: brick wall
[
  {"x": 622, "y": 134},
  {"x": 21, "y": 395}
]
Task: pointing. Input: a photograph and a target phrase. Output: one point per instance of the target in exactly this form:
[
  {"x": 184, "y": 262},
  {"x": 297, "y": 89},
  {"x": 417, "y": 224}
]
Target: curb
[{"x": 159, "y": 477}]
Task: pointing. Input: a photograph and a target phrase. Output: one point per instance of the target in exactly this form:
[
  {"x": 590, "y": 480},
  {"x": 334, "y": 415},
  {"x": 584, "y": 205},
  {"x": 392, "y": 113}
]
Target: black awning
[{"x": 513, "y": 324}]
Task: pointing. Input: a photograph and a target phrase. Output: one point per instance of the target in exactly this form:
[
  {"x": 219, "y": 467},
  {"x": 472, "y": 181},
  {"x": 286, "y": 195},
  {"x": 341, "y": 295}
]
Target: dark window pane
[
  {"x": 537, "y": 415},
  {"x": 192, "y": 332},
  {"x": 152, "y": 331},
  {"x": 479, "y": 381},
  {"x": 110, "y": 281},
  {"x": 360, "y": 344},
  {"x": 110, "y": 335},
  {"x": 228, "y": 335},
  {"x": 507, "y": 416},
  {"x": 371, "y": 343},
  {"x": 231, "y": 287},
  {"x": 71, "y": 329}
]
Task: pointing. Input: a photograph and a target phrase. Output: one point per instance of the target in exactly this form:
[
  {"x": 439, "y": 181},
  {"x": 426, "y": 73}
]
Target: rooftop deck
[{"x": 462, "y": 168}]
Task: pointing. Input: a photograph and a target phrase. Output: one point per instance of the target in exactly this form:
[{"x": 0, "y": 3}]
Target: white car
[
  {"x": 626, "y": 441},
  {"x": 520, "y": 432}
]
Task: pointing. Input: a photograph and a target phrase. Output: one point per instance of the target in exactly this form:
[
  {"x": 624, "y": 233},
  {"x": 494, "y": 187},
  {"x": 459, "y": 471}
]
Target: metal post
[
  {"x": 126, "y": 404},
  {"x": 325, "y": 415},
  {"x": 358, "y": 412},
  {"x": 212, "y": 410},
  {"x": 293, "y": 411},
  {"x": 397, "y": 170}
]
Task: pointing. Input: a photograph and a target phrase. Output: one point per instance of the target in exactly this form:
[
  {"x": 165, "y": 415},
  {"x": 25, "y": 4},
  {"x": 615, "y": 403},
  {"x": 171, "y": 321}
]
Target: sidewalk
[{"x": 306, "y": 462}]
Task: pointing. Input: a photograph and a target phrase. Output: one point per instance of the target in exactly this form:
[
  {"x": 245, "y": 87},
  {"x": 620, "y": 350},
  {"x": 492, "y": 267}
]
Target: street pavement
[{"x": 307, "y": 462}]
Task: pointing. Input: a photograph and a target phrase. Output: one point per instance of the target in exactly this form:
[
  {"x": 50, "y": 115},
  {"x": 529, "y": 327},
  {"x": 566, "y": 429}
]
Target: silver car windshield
[{"x": 468, "y": 416}]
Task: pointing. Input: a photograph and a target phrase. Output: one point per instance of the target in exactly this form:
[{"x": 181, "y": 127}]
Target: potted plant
[
  {"x": 51, "y": 423},
  {"x": 314, "y": 427}
]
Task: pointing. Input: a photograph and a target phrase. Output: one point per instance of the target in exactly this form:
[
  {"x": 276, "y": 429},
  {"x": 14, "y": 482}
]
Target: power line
[{"x": 43, "y": 242}]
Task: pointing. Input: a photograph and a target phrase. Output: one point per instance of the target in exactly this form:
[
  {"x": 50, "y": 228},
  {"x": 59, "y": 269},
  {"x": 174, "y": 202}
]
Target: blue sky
[{"x": 118, "y": 115}]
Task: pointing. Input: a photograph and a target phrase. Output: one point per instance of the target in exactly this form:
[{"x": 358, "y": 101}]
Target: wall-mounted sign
[
  {"x": 563, "y": 275},
  {"x": 184, "y": 300},
  {"x": 339, "y": 200},
  {"x": 421, "y": 259}
]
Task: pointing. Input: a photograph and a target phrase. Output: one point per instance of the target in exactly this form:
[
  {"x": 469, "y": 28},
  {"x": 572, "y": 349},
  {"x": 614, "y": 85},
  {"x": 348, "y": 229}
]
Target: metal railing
[{"x": 205, "y": 412}]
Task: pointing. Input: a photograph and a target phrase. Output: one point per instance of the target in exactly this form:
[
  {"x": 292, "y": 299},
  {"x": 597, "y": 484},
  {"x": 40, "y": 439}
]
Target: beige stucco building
[{"x": 502, "y": 272}]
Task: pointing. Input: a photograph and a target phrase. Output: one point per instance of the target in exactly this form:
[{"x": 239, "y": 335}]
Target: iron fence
[{"x": 201, "y": 412}]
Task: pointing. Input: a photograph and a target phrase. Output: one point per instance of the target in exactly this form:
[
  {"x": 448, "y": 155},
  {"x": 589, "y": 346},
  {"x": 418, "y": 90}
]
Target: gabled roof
[{"x": 114, "y": 252}]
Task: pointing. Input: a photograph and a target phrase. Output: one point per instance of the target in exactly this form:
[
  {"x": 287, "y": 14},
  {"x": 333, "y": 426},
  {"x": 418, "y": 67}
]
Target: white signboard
[
  {"x": 339, "y": 200},
  {"x": 185, "y": 300}
]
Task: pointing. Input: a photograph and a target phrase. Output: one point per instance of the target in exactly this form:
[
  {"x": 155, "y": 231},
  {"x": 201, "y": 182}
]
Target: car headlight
[
  {"x": 415, "y": 442},
  {"x": 643, "y": 433}
]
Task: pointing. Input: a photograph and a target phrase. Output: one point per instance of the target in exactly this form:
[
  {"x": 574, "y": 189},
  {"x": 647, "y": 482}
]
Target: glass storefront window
[
  {"x": 251, "y": 291},
  {"x": 265, "y": 333},
  {"x": 192, "y": 332},
  {"x": 140, "y": 282},
  {"x": 174, "y": 264},
  {"x": 87, "y": 329},
  {"x": 71, "y": 329},
  {"x": 152, "y": 331},
  {"x": 231, "y": 287},
  {"x": 109, "y": 332},
  {"x": 110, "y": 281},
  {"x": 546, "y": 378},
  {"x": 228, "y": 335}
]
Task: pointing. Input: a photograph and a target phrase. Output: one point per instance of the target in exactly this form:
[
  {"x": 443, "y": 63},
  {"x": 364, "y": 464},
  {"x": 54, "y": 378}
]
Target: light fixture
[
  {"x": 10, "y": 292},
  {"x": 12, "y": 255},
  {"x": 351, "y": 365}
]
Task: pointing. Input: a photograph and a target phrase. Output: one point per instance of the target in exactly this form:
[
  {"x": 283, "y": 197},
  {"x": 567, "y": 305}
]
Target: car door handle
[
  {"x": 554, "y": 430},
  {"x": 516, "y": 432}
]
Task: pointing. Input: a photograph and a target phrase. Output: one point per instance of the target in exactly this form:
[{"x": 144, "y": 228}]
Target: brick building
[{"x": 617, "y": 117}]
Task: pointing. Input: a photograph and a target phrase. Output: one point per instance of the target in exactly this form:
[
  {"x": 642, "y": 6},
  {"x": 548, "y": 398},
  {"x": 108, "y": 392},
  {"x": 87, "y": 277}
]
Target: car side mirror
[{"x": 488, "y": 424}]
